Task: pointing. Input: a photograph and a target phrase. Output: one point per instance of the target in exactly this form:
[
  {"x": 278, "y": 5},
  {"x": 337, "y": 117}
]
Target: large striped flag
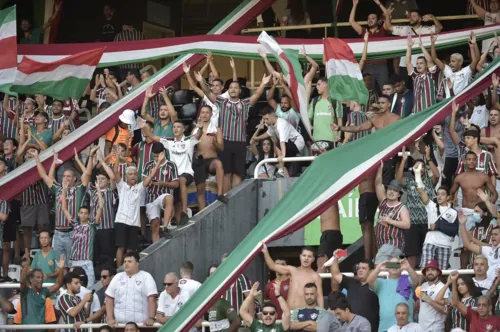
[
  {"x": 345, "y": 81},
  {"x": 8, "y": 47},
  {"x": 64, "y": 78},
  {"x": 331, "y": 176},
  {"x": 290, "y": 65}
]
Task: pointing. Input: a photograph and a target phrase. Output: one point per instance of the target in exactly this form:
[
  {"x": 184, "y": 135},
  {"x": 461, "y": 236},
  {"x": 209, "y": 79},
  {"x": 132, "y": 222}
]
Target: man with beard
[
  {"x": 432, "y": 314},
  {"x": 299, "y": 277},
  {"x": 269, "y": 312},
  {"x": 35, "y": 36},
  {"x": 304, "y": 318},
  {"x": 59, "y": 121},
  {"x": 357, "y": 289},
  {"x": 376, "y": 68},
  {"x": 167, "y": 114},
  {"x": 74, "y": 310},
  {"x": 286, "y": 108},
  {"x": 414, "y": 28}
]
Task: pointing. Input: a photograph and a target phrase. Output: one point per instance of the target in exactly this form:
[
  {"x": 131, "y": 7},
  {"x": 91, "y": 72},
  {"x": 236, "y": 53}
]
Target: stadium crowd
[{"x": 439, "y": 195}]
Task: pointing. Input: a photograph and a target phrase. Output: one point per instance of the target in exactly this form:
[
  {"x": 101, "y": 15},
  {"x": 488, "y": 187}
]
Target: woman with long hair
[
  {"x": 467, "y": 292},
  {"x": 295, "y": 14},
  {"x": 263, "y": 149}
]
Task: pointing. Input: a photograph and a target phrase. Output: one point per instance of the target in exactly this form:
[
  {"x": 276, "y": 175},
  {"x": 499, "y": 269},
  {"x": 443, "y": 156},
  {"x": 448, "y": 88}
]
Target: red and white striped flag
[
  {"x": 8, "y": 47},
  {"x": 64, "y": 78}
]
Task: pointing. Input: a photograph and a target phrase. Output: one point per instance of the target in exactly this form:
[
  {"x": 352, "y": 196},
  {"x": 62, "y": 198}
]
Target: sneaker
[
  {"x": 5, "y": 279},
  {"x": 143, "y": 239},
  {"x": 164, "y": 233},
  {"x": 280, "y": 173},
  {"x": 184, "y": 219},
  {"x": 172, "y": 225},
  {"x": 222, "y": 198}
]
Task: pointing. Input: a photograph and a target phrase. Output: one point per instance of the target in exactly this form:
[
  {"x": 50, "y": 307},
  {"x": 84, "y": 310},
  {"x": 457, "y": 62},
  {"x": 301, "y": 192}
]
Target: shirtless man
[
  {"x": 381, "y": 119},
  {"x": 299, "y": 277},
  {"x": 205, "y": 159},
  {"x": 470, "y": 181}
]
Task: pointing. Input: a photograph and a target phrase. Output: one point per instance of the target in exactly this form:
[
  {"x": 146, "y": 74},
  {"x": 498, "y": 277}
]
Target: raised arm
[
  {"x": 399, "y": 172},
  {"x": 60, "y": 275},
  {"x": 372, "y": 277},
  {"x": 49, "y": 22},
  {"x": 454, "y": 294},
  {"x": 192, "y": 83},
  {"x": 488, "y": 201},
  {"x": 288, "y": 92},
  {"x": 335, "y": 269},
  {"x": 367, "y": 125},
  {"x": 146, "y": 181},
  {"x": 493, "y": 192},
  {"x": 211, "y": 63},
  {"x": 275, "y": 267},
  {"x": 268, "y": 65},
  {"x": 314, "y": 66},
  {"x": 233, "y": 69},
  {"x": 255, "y": 97},
  {"x": 87, "y": 171},
  {"x": 141, "y": 123},
  {"x": 352, "y": 18},
  {"x": 434, "y": 56},
  {"x": 427, "y": 56},
  {"x": 453, "y": 134},
  {"x": 247, "y": 305},
  {"x": 41, "y": 170},
  {"x": 64, "y": 203},
  {"x": 212, "y": 97},
  {"x": 379, "y": 186},
  {"x": 480, "y": 11},
  {"x": 437, "y": 25},
  {"x": 474, "y": 51},
  {"x": 270, "y": 94},
  {"x": 494, "y": 95},
  {"x": 472, "y": 247},
  {"x": 440, "y": 295},
  {"x": 147, "y": 97},
  {"x": 364, "y": 55},
  {"x": 101, "y": 204}
]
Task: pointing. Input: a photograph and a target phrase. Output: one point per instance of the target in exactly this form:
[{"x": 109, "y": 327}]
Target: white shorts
[{"x": 153, "y": 209}]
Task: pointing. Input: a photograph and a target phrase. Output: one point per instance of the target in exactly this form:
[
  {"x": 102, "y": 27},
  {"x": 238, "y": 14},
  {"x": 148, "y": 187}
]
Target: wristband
[{"x": 278, "y": 296}]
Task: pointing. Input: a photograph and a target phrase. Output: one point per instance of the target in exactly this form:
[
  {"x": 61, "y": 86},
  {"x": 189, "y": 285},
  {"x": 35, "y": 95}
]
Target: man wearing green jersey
[
  {"x": 268, "y": 312},
  {"x": 223, "y": 318}
]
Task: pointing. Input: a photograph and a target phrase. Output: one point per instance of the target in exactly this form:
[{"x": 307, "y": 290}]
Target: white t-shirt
[
  {"x": 169, "y": 306},
  {"x": 130, "y": 200},
  {"x": 406, "y": 30},
  {"x": 131, "y": 296},
  {"x": 429, "y": 319},
  {"x": 411, "y": 327},
  {"x": 94, "y": 307},
  {"x": 485, "y": 284},
  {"x": 480, "y": 116},
  {"x": 459, "y": 78},
  {"x": 438, "y": 238},
  {"x": 271, "y": 168},
  {"x": 189, "y": 286},
  {"x": 285, "y": 132},
  {"x": 181, "y": 152},
  {"x": 493, "y": 255}
]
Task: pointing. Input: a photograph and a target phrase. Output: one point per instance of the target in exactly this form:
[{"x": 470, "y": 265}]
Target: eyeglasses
[
  {"x": 168, "y": 283},
  {"x": 104, "y": 277},
  {"x": 268, "y": 313}
]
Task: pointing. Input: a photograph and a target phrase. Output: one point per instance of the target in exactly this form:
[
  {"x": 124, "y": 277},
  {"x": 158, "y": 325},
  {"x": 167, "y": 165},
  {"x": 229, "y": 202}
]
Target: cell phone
[
  {"x": 392, "y": 265},
  {"x": 342, "y": 253}
]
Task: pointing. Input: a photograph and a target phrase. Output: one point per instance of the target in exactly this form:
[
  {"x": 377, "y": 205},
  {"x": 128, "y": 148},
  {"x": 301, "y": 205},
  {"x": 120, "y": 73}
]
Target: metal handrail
[
  {"x": 275, "y": 160},
  {"x": 385, "y": 273},
  {"x": 17, "y": 285},
  {"x": 68, "y": 326},
  {"x": 346, "y": 24}
]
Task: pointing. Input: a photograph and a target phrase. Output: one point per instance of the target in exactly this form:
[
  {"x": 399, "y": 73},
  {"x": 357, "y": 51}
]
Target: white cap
[{"x": 127, "y": 117}]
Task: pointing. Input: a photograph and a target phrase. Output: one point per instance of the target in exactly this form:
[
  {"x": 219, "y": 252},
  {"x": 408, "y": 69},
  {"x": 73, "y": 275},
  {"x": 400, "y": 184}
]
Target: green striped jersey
[
  {"x": 35, "y": 194},
  {"x": 74, "y": 197},
  {"x": 166, "y": 173},
  {"x": 66, "y": 303},
  {"x": 108, "y": 211},
  {"x": 143, "y": 155},
  {"x": 55, "y": 124},
  {"x": 82, "y": 245},
  {"x": 233, "y": 118}
]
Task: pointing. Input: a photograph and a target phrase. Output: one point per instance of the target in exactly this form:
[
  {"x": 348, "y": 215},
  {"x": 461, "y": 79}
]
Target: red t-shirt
[
  {"x": 379, "y": 33},
  {"x": 269, "y": 294},
  {"x": 477, "y": 324}
]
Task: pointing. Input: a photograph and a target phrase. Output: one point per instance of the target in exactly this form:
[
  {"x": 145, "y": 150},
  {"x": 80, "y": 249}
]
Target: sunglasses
[
  {"x": 268, "y": 313},
  {"x": 168, "y": 283},
  {"x": 104, "y": 277}
]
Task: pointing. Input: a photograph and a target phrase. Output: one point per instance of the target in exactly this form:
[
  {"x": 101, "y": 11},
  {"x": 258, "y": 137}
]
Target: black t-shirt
[
  {"x": 108, "y": 29},
  {"x": 363, "y": 300}
]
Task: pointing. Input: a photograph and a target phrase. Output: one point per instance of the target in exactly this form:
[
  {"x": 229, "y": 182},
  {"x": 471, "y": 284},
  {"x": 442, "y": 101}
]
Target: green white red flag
[
  {"x": 64, "y": 78},
  {"x": 8, "y": 47},
  {"x": 290, "y": 65},
  {"x": 345, "y": 81}
]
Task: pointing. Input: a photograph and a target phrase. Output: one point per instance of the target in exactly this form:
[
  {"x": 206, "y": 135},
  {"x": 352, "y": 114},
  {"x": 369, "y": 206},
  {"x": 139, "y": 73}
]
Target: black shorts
[
  {"x": 127, "y": 236},
  {"x": 201, "y": 169},
  {"x": 10, "y": 226},
  {"x": 329, "y": 242},
  {"x": 233, "y": 157},
  {"x": 414, "y": 239},
  {"x": 177, "y": 191},
  {"x": 104, "y": 245},
  {"x": 367, "y": 207},
  {"x": 291, "y": 149}
]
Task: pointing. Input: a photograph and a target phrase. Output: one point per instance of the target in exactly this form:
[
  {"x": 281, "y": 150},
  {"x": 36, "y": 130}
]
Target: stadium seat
[
  {"x": 245, "y": 92},
  {"x": 188, "y": 112},
  {"x": 182, "y": 97}
]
